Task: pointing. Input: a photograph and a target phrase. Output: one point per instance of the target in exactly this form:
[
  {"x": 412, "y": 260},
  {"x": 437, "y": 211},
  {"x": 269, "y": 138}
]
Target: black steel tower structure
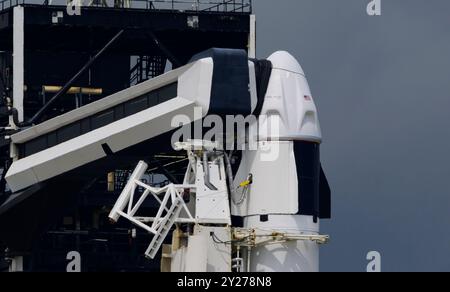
[{"x": 54, "y": 59}]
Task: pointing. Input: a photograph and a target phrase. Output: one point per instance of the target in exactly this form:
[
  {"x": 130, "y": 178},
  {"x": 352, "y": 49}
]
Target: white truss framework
[{"x": 170, "y": 201}]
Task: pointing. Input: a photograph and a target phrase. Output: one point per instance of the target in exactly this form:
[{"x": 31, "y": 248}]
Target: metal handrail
[{"x": 231, "y": 6}]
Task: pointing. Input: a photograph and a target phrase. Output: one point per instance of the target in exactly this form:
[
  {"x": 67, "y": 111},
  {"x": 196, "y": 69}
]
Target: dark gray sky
[{"x": 382, "y": 86}]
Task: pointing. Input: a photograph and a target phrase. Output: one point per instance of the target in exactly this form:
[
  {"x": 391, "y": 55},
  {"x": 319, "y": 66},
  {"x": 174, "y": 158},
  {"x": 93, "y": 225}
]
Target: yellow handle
[{"x": 245, "y": 183}]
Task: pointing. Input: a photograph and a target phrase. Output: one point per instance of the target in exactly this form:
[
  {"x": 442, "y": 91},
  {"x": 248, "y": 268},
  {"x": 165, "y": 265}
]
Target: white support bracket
[{"x": 205, "y": 178}]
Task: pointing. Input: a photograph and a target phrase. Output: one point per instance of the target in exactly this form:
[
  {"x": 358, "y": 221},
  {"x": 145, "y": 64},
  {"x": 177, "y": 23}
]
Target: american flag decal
[{"x": 307, "y": 97}]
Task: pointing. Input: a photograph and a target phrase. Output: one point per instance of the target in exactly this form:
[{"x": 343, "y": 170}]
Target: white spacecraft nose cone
[{"x": 285, "y": 61}]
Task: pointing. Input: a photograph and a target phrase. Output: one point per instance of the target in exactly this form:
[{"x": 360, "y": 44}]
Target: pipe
[
  {"x": 68, "y": 85},
  {"x": 73, "y": 90},
  {"x": 206, "y": 171},
  {"x": 249, "y": 255},
  {"x": 175, "y": 62},
  {"x": 230, "y": 178}
]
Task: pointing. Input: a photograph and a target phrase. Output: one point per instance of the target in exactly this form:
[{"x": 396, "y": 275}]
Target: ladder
[{"x": 164, "y": 228}]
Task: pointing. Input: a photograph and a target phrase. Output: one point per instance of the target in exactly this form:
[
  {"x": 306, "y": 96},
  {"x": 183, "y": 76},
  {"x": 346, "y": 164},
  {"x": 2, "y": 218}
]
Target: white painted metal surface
[
  {"x": 218, "y": 251},
  {"x": 274, "y": 189},
  {"x": 212, "y": 206},
  {"x": 171, "y": 205},
  {"x": 88, "y": 147},
  {"x": 196, "y": 255},
  {"x": 18, "y": 60},
  {"x": 204, "y": 252},
  {"x": 164, "y": 227},
  {"x": 194, "y": 91},
  {"x": 285, "y": 256},
  {"x": 288, "y": 114},
  {"x": 252, "y": 37},
  {"x": 289, "y": 103},
  {"x": 124, "y": 197}
]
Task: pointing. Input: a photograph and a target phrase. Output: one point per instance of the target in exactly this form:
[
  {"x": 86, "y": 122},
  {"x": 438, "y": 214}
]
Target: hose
[{"x": 231, "y": 187}]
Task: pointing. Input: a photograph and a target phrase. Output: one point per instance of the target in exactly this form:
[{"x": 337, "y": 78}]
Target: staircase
[
  {"x": 164, "y": 229},
  {"x": 147, "y": 67}
]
